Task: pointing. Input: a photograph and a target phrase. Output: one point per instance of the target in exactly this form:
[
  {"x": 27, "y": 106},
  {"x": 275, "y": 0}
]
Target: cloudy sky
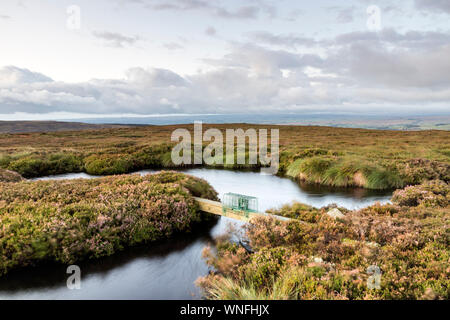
[{"x": 61, "y": 59}]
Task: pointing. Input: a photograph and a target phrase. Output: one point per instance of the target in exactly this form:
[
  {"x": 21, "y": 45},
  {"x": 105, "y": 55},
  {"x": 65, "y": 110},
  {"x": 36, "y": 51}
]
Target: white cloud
[
  {"x": 154, "y": 77},
  {"x": 343, "y": 14},
  {"x": 115, "y": 39},
  {"x": 173, "y": 46},
  {"x": 211, "y": 7},
  {"x": 398, "y": 68},
  {"x": 10, "y": 76},
  {"x": 210, "y": 31},
  {"x": 261, "y": 61},
  {"x": 283, "y": 40},
  {"x": 439, "y": 6},
  {"x": 417, "y": 40}
]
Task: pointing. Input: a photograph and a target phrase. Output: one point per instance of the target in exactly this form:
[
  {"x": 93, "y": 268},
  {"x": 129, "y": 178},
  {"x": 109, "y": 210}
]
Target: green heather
[{"x": 70, "y": 220}]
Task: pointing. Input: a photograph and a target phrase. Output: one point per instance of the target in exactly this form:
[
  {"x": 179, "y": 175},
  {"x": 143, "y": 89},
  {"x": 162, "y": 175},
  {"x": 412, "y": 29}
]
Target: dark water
[{"x": 168, "y": 269}]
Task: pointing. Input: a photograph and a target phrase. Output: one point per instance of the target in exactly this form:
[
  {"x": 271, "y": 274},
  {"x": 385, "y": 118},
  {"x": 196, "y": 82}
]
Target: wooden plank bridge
[{"x": 218, "y": 208}]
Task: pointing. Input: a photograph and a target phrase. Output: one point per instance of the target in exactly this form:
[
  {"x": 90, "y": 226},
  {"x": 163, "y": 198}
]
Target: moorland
[
  {"x": 376, "y": 159},
  {"x": 49, "y": 126},
  {"x": 313, "y": 256}
]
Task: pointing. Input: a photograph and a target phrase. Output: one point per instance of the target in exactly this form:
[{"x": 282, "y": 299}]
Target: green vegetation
[
  {"x": 70, "y": 220},
  {"x": 348, "y": 172},
  {"x": 328, "y": 259},
  {"x": 108, "y": 164},
  {"x": 331, "y": 156},
  {"x": 313, "y": 257},
  {"x": 37, "y": 165}
]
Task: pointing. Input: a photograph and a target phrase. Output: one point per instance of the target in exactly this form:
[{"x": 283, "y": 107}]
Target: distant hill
[
  {"x": 48, "y": 126},
  {"x": 381, "y": 121}
]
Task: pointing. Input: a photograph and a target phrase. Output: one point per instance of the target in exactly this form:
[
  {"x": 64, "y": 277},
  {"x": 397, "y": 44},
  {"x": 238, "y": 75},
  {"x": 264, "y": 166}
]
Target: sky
[{"x": 63, "y": 59}]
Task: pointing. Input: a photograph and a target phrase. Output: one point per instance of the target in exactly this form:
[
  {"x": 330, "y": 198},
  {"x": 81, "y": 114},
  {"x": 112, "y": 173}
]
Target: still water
[{"x": 168, "y": 269}]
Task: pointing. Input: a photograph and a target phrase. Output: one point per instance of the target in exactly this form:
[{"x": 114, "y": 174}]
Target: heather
[
  {"x": 433, "y": 193},
  {"x": 318, "y": 257},
  {"x": 9, "y": 176},
  {"x": 70, "y": 220},
  {"x": 303, "y": 212},
  {"x": 342, "y": 157}
]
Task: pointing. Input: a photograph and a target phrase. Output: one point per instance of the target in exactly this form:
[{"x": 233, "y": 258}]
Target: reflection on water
[
  {"x": 167, "y": 270},
  {"x": 273, "y": 191},
  {"x": 164, "y": 270}
]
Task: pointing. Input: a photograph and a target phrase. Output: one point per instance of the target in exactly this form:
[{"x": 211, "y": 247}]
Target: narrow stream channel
[{"x": 168, "y": 269}]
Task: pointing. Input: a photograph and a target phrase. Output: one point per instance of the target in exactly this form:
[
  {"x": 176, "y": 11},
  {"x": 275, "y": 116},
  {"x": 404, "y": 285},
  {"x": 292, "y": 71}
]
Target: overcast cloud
[
  {"x": 256, "y": 68},
  {"x": 438, "y": 6}
]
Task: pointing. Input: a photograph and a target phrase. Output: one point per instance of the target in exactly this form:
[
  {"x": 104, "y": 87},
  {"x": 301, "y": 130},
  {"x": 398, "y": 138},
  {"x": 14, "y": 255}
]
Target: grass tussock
[{"x": 354, "y": 172}]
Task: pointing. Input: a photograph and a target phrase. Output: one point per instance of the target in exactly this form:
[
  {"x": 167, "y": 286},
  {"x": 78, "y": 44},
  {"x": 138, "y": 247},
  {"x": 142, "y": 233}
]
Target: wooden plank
[{"x": 216, "y": 208}]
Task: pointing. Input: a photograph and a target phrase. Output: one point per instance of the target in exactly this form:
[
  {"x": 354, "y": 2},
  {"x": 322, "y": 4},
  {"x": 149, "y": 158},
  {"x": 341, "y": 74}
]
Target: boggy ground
[
  {"x": 70, "y": 220},
  {"x": 320, "y": 257},
  {"x": 376, "y": 159},
  {"x": 314, "y": 257}
]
